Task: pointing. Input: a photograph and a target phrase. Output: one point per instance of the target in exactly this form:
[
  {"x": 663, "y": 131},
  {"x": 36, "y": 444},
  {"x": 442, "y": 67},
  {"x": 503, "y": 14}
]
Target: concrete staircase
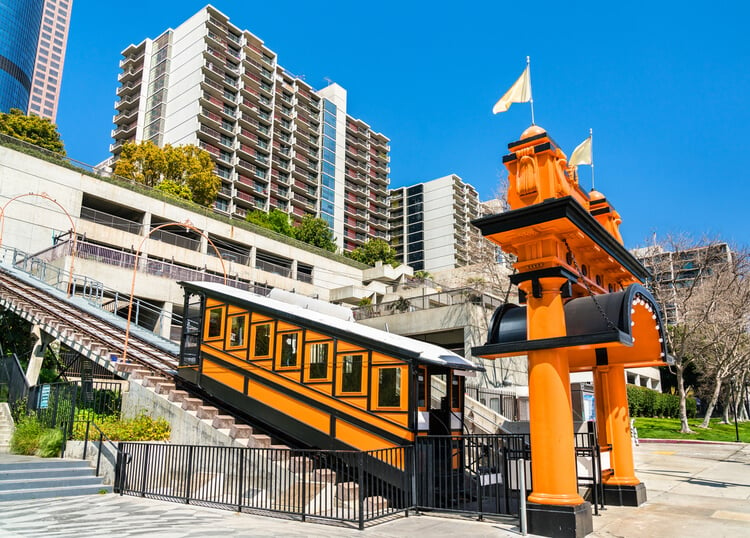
[
  {"x": 29, "y": 477},
  {"x": 6, "y": 428}
]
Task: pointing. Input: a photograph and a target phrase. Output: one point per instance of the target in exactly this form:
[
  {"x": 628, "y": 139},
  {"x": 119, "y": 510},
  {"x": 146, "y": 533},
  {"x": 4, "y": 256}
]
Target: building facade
[
  {"x": 430, "y": 224},
  {"x": 276, "y": 141},
  {"x": 50, "y": 57},
  {"x": 19, "y": 33}
]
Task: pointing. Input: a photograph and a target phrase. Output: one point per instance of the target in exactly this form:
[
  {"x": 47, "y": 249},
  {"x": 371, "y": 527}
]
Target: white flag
[
  {"x": 582, "y": 154},
  {"x": 520, "y": 92}
]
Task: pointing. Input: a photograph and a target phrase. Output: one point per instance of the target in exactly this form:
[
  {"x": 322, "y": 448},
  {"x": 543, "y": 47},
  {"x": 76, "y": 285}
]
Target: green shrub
[
  {"x": 25, "y": 439},
  {"x": 50, "y": 443},
  {"x": 140, "y": 428},
  {"x": 644, "y": 402}
]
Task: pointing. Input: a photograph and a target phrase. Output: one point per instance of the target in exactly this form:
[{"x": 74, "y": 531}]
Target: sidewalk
[{"x": 693, "y": 490}]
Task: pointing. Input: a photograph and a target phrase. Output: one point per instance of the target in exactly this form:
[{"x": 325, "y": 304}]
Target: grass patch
[{"x": 669, "y": 428}]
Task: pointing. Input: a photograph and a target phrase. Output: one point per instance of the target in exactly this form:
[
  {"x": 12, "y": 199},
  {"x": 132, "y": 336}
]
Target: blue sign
[{"x": 44, "y": 397}]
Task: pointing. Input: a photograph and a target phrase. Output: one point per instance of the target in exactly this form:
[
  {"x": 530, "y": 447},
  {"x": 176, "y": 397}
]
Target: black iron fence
[
  {"x": 14, "y": 388},
  {"x": 345, "y": 486},
  {"x": 504, "y": 402},
  {"x": 478, "y": 474}
]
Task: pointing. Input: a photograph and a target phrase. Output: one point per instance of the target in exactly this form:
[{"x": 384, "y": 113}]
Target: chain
[{"x": 610, "y": 324}]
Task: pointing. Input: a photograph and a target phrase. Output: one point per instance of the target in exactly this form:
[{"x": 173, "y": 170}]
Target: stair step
[
  {"x": 34, "y": 463},
  {"x": 49, "y": 493},
  {"x": 34, "y": 472},
  {"x": 49, "y": 482}
]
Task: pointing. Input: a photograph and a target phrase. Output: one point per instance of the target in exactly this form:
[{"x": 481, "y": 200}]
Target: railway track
[{"x": 89, "y": 327}]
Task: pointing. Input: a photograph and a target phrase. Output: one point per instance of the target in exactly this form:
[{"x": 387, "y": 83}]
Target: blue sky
[{"x": 664, "y": 86}]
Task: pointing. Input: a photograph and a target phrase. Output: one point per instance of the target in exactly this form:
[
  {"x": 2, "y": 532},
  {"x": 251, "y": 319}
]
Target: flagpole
[
  {"x": 531, "y": 97},
  {"x": 591, "y": 135}
]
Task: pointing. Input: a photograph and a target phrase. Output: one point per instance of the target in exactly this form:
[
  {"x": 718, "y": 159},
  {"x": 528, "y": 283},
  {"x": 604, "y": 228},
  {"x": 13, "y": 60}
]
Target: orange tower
[{"x": 585, "y": 310}]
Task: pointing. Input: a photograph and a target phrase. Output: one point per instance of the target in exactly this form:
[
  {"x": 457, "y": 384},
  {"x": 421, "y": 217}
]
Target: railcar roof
[{"x": 376, "y": 339}]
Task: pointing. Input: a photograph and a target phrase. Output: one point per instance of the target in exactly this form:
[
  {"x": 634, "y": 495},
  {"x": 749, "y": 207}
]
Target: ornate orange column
[
  {"x": 553, "y": 461},
  {"x": 623, "y": 487}
]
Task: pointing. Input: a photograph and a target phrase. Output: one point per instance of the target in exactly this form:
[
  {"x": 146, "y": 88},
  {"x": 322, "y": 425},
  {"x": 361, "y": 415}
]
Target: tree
[
  {"x": 375, "y": 250},
  {"x": 693, "y": 284},
  {"x": 192, "y": 167},
  {"x": 316, "y": 232},
  {"x": 182, "y": 171},
  {"x": 32, "y": 129},
  {"x": 276, "y": 220},
  {"x": 726, "y": 352}
]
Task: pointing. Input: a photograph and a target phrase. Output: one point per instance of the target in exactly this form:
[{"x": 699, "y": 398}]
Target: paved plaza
[{"x": 694, "y": 489}]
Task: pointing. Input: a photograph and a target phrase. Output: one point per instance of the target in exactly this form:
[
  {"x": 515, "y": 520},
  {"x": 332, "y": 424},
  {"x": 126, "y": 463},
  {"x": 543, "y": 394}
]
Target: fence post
[
  {"x": 86, "y": 439},
  {"x": 361, "y": 489},
  {"x": 305, "y": 476},
  {"x": 480, "y": 505},
  {"x": 240, "y": 478},
  {"x": 99, "y": 453},
  {"x": 144, "y": 470},
  {"x": 189, "y": 479},
  {"x": 414, "y": 477},
  {"x": 522, "y": 491}
]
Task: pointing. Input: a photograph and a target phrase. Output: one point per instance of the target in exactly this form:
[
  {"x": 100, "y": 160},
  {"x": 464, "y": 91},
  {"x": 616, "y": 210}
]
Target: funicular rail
[{"x": 91, "y": 329}]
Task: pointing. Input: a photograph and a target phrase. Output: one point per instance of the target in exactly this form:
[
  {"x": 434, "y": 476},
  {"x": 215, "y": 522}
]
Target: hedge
[{"x": 645, "y": 402}]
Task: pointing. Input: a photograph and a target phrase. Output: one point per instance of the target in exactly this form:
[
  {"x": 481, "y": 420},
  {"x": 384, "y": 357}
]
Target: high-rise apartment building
[
  {"x": 430, "y": 224},
  {"x": 50, "y": 57},
  {"x": 19, "y": 35},
  {"x": 682, "y": 269},
  {"x": 276, "y": 141}
]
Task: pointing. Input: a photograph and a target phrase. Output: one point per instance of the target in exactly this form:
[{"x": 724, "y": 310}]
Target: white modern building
[
  {"x": 430, "y": 224},
  {"x": 276, "y": 141}
]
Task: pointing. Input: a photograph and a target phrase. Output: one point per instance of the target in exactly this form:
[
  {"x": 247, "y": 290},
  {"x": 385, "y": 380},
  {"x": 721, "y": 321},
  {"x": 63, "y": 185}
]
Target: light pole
[
  {"x": 72, "y": 225},
  {"x": 186, "y": 224}
]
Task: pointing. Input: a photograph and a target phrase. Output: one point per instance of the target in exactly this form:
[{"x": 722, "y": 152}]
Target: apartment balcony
[
  {"x": 215, "y": 54},
  {"x": 124, "y": 131},
  {"x": 213, "y": 87},
  {"x": 356, "y": 201},
  {"x": 359, "y": 181},
  {"x": 208, "y": 134},
  {"x": 266, "y": 89},
  {"x": 248, "y": 200},
  {"x": 306, "y": 204},
  {"x": 379, "y": 224},
  {"x": 128, "y": 102},
  {"x": 215, "y": 40},
  {"x": 130, "y": 88},
  {"x": 225, "y": 191},
  {"x": 131, "y": 73},
  {"x": 126, "y": 116},
  {"x": 215, "y": 122},
  {"x": 245, "y": 166},
  {"x": 132, "y": 58},
  {"x": 218, "y": 26}
]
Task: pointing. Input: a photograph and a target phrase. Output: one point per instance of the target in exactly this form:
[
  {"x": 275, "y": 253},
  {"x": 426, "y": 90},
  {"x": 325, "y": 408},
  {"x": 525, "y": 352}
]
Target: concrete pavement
[{"x": 693, "y": 490}]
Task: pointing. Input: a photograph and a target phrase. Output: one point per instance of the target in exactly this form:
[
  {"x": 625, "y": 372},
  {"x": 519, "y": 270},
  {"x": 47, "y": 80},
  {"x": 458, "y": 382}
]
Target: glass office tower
[{"x": 19, "y": 35}]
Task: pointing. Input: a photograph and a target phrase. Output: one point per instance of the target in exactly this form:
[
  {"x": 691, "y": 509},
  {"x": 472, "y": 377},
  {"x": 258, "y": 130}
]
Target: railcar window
[
  {"x": 237, "y": 334},
  {"x": 455, "y": 392},
  {"x": 351, "y": 375},
  {"x": 262, "y": 340},
  {"x": 289, "y": 349},
  {"x": 215, "y": 321},
  {"x": 319, "y": 360},
  {"x": 422, "y": 388},
  {"x": 389, "y": 387}
]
